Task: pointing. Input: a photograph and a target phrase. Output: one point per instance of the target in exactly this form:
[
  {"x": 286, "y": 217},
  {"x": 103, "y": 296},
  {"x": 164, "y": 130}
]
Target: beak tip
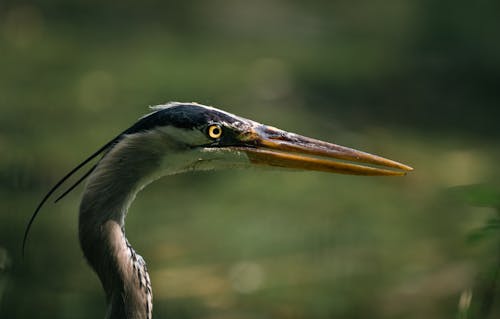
[{"x": 407, "y": 168}]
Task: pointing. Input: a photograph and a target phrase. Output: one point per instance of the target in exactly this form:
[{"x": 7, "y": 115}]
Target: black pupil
[{"x": 216, "y": 131}]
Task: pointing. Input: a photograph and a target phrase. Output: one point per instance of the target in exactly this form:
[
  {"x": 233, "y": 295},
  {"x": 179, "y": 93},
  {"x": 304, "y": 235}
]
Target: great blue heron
[{"x": 175, "y": 138}]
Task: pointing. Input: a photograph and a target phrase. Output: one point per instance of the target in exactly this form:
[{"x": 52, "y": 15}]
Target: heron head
[{"x": 209, "y": 138}]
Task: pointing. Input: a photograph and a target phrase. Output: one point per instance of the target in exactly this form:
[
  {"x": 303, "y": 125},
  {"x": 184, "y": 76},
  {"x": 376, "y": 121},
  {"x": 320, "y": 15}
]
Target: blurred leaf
[
  {"x": 477, "y": 195},
  {"x": 484, "y": 196},
  {"x": 490, "y": 228}
]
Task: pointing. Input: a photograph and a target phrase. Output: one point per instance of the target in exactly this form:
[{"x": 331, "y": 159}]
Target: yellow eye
[{"x": 214, "y": 131}]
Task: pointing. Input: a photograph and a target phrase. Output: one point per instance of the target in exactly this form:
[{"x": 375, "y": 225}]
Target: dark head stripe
[{"x": 181, "y": 115}]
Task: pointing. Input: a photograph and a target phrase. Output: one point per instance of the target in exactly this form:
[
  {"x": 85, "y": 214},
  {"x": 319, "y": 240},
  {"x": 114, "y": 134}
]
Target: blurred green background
[{"x": 416, "y": 81}]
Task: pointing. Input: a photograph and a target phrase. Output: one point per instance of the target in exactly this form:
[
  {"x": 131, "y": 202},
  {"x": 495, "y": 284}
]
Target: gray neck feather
[{"x": 125, "y": 170}]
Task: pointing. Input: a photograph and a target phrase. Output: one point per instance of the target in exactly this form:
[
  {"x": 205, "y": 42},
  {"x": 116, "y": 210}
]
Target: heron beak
[{"x": 278, "y": 148}]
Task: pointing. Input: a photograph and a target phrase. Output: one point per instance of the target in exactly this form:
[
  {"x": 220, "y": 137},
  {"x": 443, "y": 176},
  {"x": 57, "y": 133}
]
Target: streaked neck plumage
[{"x": 131, "y": 164}]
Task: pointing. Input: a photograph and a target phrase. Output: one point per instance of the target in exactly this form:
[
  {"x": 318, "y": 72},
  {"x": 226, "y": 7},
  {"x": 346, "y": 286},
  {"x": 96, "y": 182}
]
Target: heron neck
[
  {"x": 111, "y": 188},
  {"x": 123, "y": 274}
]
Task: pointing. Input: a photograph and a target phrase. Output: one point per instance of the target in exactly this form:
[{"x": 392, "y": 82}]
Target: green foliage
[
  {"x": 478, "y": 195},
  {"x": 491, "y": 227},
  {"x": 487, "y": 286},
  {"x": 483, "y": 196}
]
